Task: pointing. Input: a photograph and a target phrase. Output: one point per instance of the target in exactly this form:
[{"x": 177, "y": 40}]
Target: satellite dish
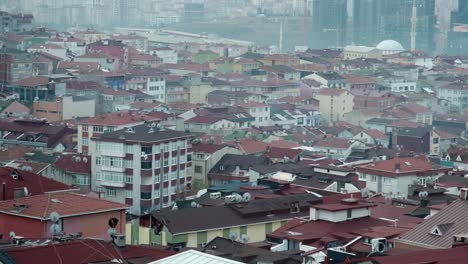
[
  {"x": 423, "y": 194},
  {"x": 238, "y": 198},
  {"x": 245, "y": 239},
  {"x": 85, "y": 159},
  {"x": 113, "y": 222},
  {"x": 14, "y": 174},
  {"x": 54, "y": 217},
  {"x": 12, "y": 234},
  {"x": 111, "y": 232},
  {"x": 246, "y": 197},
  {"x": 194, "y": 205},
  {"x": 232, "y": 236},
  {"x": 77, "y": 159},
  {"x": 55, "y": 229}
]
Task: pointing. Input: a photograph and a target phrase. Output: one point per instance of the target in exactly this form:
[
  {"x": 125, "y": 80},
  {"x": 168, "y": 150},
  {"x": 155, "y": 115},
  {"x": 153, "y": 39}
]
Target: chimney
[
  {"x": 463, "y": 194},
  {"x": 397, "y": 167}
]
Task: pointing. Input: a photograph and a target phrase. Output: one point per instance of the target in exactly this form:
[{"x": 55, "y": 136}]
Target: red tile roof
[
  {"x": 281, "y": 153},
  {"x": 331, "y": 92},
  {"x": 250, "y": 104},
  {"x": 206, "y": 148},
  {"x": 84, "y": 251},
  {"x": 407, "y": 166},
  {"x": 74, "y": 164},
  {"x": 33, "y": 81},
  {"x": 249, "y": 146},
  {"x": 119, "y": 119},
  {"x": 415, "y": 108},
  {"x": 376, "y": 134},
  {"x": 207, "y": 119},
  {"x": 334, "y": 143},
  {"x": 79, "y": 66},
  {"x": 65, "y": 203},
  {"x": 36, "y": 184},
  {"x": 405, "y": 124},
  {"x": 446, "y": 256}
]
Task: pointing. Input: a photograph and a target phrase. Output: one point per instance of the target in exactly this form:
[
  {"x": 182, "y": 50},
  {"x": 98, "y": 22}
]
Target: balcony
[
  {"x": 113, "y": 153},
  {"x": 113, "y": 169},
  {"x": 113, "y": 184}
]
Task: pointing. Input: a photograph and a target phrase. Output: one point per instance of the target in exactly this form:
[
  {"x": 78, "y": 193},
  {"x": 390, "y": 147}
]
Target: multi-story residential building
[
  {"x": 114, "y": 100},
  {"x": 440, "y": 142},
  {"x": 334, "y": 103},
  {"x": 329, "y": 79},
  {"x": 418, "y": 113},
  {"x": 64, "y": 108},
  {"x": 94, "y": 126},
  {"x": 205, "y": 157},
  {"x": 260, "y": 111},
  {"x": 144, "y": 166},
  {"x": 400, "y": 85},
  {"x": 393, "y": 177},
  {"x": 456, "y": 94},
  {"x": 167, "y": 55},
  {"x": 149, "y": 81}
]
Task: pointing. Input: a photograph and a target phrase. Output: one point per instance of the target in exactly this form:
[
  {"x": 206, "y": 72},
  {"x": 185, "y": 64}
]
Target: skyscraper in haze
[
  {"x": 396, "y": 22},
  {"x": 458, "y": 35},
  {"x": 366, "y": 22},
  {"x": 329, "y": 19}
]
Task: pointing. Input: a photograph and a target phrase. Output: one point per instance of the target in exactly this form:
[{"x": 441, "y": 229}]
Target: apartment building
[{"x": 144, "y": 166}]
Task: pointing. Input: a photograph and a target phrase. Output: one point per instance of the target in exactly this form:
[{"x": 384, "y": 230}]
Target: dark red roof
[
  {"x": 84, "y": 251},
  {"x": 206, "y": 148},
  {"x": 280, "y": 153},
  {"x": 65, "y": 203},
  {"x": 74, "y": 164},
  {"x": 33, "y": 81},
  {"x": 204, "y": 119},
  {"x": 446, "y": 256},
  {"x": 36, "y": 184},
  {"x": 400, "y": 167}
]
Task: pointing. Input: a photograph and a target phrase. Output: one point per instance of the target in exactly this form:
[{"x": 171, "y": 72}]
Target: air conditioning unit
[
  {"x": 379, "y": 245},
  {"x": 215, "y": 195}
]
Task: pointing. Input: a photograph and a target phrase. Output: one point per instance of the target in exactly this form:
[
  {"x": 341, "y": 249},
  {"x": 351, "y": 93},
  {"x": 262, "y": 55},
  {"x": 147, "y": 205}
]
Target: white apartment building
[{"x": 144, "y": 166}]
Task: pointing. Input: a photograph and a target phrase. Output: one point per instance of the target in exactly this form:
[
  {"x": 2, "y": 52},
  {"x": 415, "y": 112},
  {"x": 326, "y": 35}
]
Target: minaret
[
  {"x": 281, "y": 38},
  {"x": 414, "y": 21}
]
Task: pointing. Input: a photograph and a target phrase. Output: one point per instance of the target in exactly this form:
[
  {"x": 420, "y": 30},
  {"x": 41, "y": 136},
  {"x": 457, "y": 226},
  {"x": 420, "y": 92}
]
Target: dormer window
[
  {"x": 440, "y": 230},
  {"x": 295, "y": 207},
  {"x": 436, "y": 231}
]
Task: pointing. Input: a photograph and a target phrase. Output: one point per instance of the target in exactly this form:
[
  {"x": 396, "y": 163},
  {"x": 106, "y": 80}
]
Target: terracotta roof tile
[{"x": 64, "y": 203}]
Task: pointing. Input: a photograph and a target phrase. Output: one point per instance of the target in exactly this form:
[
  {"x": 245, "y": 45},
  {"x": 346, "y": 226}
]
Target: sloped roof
[
  {"x": 193, "y": 256},
  {"x": 454, "y": 214},
  {"x": 65, "y": 203},
  {"x": 74, "y": 164},
  {"x": 36, "y": 184}
]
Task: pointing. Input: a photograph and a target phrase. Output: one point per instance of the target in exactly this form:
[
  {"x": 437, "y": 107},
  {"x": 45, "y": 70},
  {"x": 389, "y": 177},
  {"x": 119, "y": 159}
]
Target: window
[
  {"x": 295, "y": 207},
  {"x": 387, "y": 180},
  {"x": 84, "y": 141},
  {"x": 181, "y": 173},
  {"x": 129, "y": 164},
  {"x": 165, "y": 176},
  {"x": 166, "y": 147},
  {"x": 145, "y": 195},
  {"x": 166, "y": 162},
  {"x": 174, "y": 161},
  {"x": 146, "y": 165},
  {"x": 111, "y": 177},
  {"x": 156, "y": 149},
  {"x": 111, "y": 192},
  {"x": 165, "y": 191},
  {"x": 373, "y": 178},
  {"x": 362, "y": 176},
  {"x": 147, "y": 149},
  {"x": 129, "y": 179},
  {"x": 112, "y": 162},
  {"x": 98, "y": 176},
  {"x": 128, "y": 194},
  {"x": 182, "y": 159},
  {"x": 173, "y": 189},
  {"x": 349, "y": 213},
  {"x": 84, "y": 128},
  {"x": 156, "y": 194},
  {"x": 174, "y": 175},
  {"x": 98, "y": 129},
  {"x": 157, "y": 178},
  {"x": 157, "y": 164},
  {"x": 198, "y": 169},
  {"x": 81, "y": 180},
  {"x": 435, "y": 141},
  {"x": 128, "y": 148}
]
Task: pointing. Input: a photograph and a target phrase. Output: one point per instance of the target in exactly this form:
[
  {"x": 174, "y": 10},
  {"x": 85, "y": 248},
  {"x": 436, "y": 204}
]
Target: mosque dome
[{"x": 390, "y": 45}]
